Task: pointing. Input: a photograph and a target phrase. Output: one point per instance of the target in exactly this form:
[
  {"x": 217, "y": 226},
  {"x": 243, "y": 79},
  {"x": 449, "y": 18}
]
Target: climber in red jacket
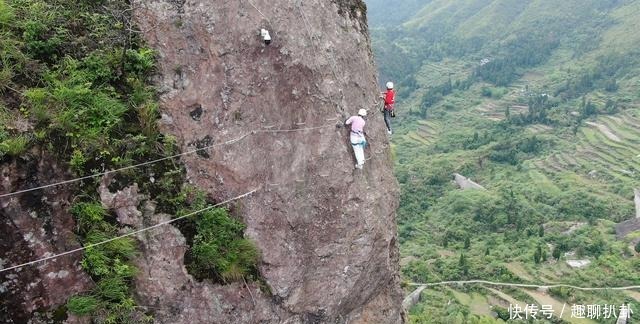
[{"x": 389, "y": 98}]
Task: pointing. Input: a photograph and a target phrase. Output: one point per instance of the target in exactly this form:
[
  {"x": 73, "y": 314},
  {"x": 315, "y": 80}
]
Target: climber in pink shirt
[{"x": 358, "y": 140}]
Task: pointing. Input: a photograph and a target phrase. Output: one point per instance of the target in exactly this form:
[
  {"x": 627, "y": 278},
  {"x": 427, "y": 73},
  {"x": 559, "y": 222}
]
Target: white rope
[
  {"x": 491, "y": 283},
  {"x": 258, "y": 10},
  {"x": 120, "y": 169},
  {"x": 160, "y": 159},
  {"x": 126, "y": 235},
  {"x": 294, "y": 130}
]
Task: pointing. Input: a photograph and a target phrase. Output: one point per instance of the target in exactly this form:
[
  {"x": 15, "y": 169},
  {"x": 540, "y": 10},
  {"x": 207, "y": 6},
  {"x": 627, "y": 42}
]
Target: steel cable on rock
[
  {"x": 258, "y": 10},
  {"x": 232, "y": 141},
  {"x": 229, "y": 142},
  {"x": 88, "y": 246}
]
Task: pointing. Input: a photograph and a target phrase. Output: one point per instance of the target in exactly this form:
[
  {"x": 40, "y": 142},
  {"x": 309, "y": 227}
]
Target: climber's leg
[
  {"x": 387, "y": 120},
  {"x": 358, "y": 150}
]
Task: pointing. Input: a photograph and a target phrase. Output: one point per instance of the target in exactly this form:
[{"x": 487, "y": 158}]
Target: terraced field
[
  {"x": 543, "y": 298},
  {"x": 491, "y": 110},
  {"x": 496, "y": 109},
  {"x": 539, "y": 128},
  {"x": 606, "y": 149},
  {"x": 477, "y": 303},
  {"x": 604, "y": 156},
  {"x": 426, "y": 133},
  {"x": 483, "y": 303},
  {"x": 438, "y": 73}
]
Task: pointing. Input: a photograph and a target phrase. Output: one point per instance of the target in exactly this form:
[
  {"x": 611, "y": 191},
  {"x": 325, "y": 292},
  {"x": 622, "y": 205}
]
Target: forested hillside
[{"x": 538, "y": 102}]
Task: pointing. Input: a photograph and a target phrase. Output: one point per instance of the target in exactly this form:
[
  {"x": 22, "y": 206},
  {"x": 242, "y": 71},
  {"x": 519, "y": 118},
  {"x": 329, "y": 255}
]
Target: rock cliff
[
  {"x": 34, "y": 225},
  {"x": 326, "y": 232}
]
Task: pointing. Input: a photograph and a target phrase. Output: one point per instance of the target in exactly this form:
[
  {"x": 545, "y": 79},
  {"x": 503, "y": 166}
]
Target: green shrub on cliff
[
  {"x": 14, "y": 146},
  {"x": 108, "y": 264},
  {"x": 219, "y": 247},
  {"x": 88, "y": 214},
  {"x": 81, "y": 77},
  {"x": 82, "y": 305},
  {"x": 219, "y": 250}
]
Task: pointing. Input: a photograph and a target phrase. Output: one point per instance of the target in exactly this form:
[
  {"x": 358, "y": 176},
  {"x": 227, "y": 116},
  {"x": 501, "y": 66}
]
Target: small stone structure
[
  {"x": 412, "y": 299},
  {"x": 637, "y": 201},
  {"x": 577, "y": 264}
]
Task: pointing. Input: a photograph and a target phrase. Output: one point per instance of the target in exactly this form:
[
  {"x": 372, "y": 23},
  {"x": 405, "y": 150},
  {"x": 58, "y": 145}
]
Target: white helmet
[
  {"x": 389, "y": 85},
  {"x": 362, "y": 112}
]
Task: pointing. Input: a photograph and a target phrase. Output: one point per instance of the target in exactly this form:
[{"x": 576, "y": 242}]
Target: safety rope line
[
  {"x": 232, "y": 141},
  {"x": 258, "y": 10},
  {"x": 128, "y": 234},
  {"x": 491, "y": 283},
  {"x": 174, "y": 219}
]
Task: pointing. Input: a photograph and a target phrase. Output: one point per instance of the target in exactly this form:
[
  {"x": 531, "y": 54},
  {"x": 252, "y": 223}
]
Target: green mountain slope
[{"x": 537, "y": 101}]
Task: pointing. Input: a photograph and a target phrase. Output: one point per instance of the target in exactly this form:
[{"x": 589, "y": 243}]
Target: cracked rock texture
[
  {"x": 33, "y": 225},
  {"x": 327, "y": 232}
]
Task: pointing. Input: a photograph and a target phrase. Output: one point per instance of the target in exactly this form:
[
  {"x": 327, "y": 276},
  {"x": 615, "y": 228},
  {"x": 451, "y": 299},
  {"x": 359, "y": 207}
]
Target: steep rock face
[
  {"x": 327, "y": 233},
  {"x": 33, "y": 225}
]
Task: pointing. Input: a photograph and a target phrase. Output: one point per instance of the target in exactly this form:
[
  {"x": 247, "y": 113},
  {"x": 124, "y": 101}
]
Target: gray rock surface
[
  {"x": 327, "y": 232},
  {"x": 627, "y": 227},
  {"x": 578, "y": 264},
  {"x": 466, "y": 183},
  {"x": 164, "y": 286},
  {"x": 124, "y": 202}
]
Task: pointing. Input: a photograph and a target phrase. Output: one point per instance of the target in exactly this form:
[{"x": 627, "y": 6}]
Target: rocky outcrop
[
  {"x": 627, "y": 227},
  {"x": 578, "y": 264},
  {"x": 327, "y": 232},
  {"x": 466, "y": 183},
  {"x": 124, "y": 202},
  {"x": 164, "y": 286},
  {"x": 33, "y": 225},
  {"x": 631, "y": 225}
]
